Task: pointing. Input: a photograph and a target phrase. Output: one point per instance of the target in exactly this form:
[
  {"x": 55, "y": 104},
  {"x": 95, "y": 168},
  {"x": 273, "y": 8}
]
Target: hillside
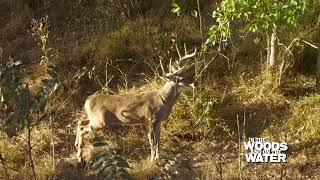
[{"x": 55, "y": 54}]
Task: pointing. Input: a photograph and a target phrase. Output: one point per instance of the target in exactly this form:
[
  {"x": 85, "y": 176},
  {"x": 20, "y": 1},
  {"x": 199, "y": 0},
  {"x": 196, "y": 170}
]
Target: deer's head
[{"x": 180, "y": 74}]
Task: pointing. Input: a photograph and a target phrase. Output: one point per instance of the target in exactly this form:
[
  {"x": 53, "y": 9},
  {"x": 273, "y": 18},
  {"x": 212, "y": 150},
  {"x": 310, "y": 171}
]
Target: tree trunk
[
  {"x": 281, "y": 71},
  {"x": 273, "y": 46}
]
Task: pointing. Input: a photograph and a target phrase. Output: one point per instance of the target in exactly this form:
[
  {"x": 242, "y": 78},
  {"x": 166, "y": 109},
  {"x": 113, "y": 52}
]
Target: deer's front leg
[
  {"x": 157, "y": 139},
  {"x": 151, "y": 138},
  {"x": 154, "y": 139}
]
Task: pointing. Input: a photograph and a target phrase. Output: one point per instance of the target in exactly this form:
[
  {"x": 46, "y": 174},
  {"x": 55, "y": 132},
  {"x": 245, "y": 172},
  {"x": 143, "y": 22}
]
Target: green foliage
[
  {"x": 16, "y": 95},
  {"x": 206, "y": 112},
  {"x": 186, "y": 7},
  {"x": 176, "y": 9},
  {"x": 49, "y": 87},
  {"x": 10, "y": 73},
  {"x": 40, "y": 31},
  {"x": 11, "y": 87},
  {"x": 258, "y": 16},
  {"x": 194, "y": 13},
  {"x": 19, "y": 102},
  {"x": 109, "y": 163}
]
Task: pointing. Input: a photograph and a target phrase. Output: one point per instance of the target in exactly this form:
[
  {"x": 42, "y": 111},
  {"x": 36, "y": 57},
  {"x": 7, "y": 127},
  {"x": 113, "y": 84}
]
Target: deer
[{"x": 147, "y": 108}]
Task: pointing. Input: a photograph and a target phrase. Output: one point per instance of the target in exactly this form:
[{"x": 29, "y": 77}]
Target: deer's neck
[{"x": 169, "y": 93}]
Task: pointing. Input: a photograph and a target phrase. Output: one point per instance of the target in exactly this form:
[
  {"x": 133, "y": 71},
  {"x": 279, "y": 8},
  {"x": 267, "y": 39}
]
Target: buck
[{"x": 148, "y": 108}]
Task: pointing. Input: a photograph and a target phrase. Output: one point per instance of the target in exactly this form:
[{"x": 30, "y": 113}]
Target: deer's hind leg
[
  {"x": 151, "y": 141},
  {"x": 82, "y": 129},
  {"x": 81, "y": 121},
  {"x": 154, "y": 140}
]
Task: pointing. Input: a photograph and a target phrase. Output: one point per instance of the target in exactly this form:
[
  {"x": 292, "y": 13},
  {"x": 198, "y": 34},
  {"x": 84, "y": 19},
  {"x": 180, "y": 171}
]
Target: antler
[{"x": 173, "y": 71}]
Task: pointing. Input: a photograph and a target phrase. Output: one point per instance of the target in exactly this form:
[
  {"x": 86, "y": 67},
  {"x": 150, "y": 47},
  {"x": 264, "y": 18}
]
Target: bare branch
[{"x": 310, "y": 44}]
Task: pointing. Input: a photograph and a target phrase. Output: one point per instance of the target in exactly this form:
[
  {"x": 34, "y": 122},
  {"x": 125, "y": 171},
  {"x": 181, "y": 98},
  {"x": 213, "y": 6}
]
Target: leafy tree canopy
[{"x": 260, "y": 16}]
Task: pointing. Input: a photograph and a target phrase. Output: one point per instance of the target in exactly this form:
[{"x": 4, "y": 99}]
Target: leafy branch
[{"x": 109, "y": 163}]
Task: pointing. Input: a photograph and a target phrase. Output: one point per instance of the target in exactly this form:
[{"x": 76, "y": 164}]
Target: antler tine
[
  {"x": 187, "y": 56},
  {"x": 173, "y": 71},
  {"x": 170, "y": 65},
  {"x": 161, "y": 65},
  {"x": 178, "y": 51}
]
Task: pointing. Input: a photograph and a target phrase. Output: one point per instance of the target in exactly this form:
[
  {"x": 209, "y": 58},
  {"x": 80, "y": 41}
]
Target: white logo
[{"x": 263, "y": 151}]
